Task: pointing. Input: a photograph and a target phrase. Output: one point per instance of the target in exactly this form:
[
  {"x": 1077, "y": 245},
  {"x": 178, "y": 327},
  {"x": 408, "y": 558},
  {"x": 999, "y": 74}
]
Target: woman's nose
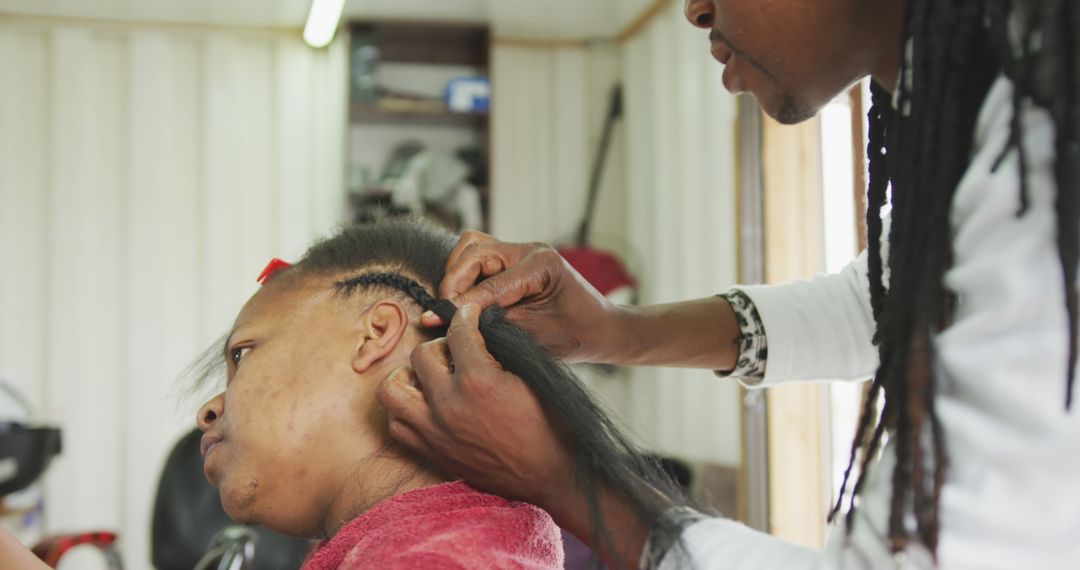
[
  {"x": 210, "y": 412},
  {"x": 700, "y": 13}
]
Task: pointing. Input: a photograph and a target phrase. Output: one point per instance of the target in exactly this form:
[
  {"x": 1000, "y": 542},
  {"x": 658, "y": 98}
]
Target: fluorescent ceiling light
[{"x": 322, "y": 22}]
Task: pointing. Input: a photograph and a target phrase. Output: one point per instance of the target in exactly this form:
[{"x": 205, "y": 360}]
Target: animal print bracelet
[{"x": 753, "y": 346}]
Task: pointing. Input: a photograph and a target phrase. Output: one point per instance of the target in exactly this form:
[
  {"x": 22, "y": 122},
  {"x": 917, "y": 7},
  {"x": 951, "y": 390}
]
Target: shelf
[
  {"x": 398, "y": 87},
  {"x": 413, "y": 42},
  {"x": 430, "y": 113}
]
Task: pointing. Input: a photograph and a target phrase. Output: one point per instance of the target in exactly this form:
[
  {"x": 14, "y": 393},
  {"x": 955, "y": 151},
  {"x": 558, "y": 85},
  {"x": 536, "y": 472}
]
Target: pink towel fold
[{"x": 448, "y": 526}]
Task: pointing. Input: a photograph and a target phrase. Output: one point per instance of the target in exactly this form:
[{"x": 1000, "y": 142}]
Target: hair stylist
[{"x": 963, "y": 309}]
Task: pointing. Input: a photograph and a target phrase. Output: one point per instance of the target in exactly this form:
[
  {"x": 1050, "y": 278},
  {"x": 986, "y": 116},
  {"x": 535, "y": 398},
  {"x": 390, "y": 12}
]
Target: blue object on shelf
[
  {"x": 469, "y": 95},
  {"x": 365, "y": 61}
]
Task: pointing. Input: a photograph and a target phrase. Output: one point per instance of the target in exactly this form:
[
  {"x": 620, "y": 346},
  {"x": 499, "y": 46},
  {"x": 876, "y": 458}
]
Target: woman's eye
[{"x": 237, "y": 354}]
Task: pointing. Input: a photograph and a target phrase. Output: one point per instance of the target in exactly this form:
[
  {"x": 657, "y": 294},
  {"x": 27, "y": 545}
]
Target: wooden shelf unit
[
  {"x": 378, "y": 114},
  {"x": 428, "y": 46}
]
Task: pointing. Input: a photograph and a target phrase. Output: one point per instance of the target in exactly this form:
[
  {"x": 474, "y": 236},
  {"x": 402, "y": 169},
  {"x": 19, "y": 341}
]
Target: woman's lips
[{"x": 207, "y": 443}]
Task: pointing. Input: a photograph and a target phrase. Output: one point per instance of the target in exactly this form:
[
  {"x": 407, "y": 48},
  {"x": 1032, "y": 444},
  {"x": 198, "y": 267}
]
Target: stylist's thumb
[
  {"x": 407, "y": 411},
  {"x": 466, "y": 344}
]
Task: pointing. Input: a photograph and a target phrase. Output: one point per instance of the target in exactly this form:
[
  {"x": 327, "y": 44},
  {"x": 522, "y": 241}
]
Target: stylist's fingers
[
  {"x": 434, "y": 372},
  {"x": 483, "y": 258},
  {"x": 430, "y": 320},
  {"x": 471, "y": 258},
  {"x": 462, "y": 268},
  {"x": 468, "y": 350},
  {"x": 409, "y": 414},
  {"x": 467, "y": 241},
  {"x": 504, "y": 287},
  {"x": 507, "y": 288},
  {"x": 407, "y": 436}
]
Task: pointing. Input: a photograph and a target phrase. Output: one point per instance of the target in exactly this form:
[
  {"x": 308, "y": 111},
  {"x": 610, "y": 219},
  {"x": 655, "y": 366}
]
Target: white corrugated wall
[
  {"x": 146, "y": 176},
  {"x": 681, "y": 218}
]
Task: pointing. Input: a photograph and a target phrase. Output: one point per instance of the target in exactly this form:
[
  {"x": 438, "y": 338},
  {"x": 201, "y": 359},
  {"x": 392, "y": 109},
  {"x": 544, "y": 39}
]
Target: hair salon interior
[{"x": 155, "y": 154}]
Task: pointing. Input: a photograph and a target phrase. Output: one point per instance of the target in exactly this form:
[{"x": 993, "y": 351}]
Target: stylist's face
[{"x": 793, "y": 55}]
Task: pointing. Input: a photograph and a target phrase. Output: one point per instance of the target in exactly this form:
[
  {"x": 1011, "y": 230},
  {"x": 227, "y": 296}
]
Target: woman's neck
[{"x": 375, "y": 480}]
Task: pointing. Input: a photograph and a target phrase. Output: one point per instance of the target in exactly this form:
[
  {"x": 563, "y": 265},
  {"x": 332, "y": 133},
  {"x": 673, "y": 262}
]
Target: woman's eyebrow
[{"x": 225, "y": 347}]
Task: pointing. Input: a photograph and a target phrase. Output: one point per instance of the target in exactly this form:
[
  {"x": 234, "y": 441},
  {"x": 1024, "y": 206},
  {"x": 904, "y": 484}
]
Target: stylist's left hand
[{"x": 475, "y": 420}]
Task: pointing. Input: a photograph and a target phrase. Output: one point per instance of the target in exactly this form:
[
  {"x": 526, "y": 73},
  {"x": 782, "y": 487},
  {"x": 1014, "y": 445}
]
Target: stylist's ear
[{"x": 382, "y": 327}]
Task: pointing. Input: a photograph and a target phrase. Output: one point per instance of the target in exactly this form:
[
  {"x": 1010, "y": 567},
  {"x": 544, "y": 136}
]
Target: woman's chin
[
  {"x": 238, "y": 501},
  {"x": 243, "y": 509},
  {"x": 237, "y": 514}
]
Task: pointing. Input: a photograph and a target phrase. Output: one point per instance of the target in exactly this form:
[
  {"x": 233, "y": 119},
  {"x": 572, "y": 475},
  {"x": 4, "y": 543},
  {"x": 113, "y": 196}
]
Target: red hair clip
[{"x": 273, "y": 267}]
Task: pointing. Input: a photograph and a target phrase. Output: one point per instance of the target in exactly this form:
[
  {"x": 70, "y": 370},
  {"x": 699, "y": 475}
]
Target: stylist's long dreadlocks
[{"x": 958, "y": 48}]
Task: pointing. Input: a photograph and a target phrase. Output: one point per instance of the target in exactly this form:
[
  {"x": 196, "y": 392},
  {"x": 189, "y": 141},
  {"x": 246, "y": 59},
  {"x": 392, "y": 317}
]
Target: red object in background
[
  {"x": 601, "y": 269},
  {"x": 51, "y": 549}
]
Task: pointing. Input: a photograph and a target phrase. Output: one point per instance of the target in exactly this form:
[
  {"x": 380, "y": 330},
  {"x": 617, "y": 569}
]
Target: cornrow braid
[{"x": 441, "y": 307}]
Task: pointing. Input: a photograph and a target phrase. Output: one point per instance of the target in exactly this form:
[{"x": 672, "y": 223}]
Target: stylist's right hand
[
  {"x": 541, "y": 293},
  {"x": 458, "y": 407}
]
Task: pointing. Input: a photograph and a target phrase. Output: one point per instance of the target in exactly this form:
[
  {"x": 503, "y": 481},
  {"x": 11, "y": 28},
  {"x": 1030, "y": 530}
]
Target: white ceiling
[
  {"x": 516, "y": 18},
  {"x": 228, "y": 12}
]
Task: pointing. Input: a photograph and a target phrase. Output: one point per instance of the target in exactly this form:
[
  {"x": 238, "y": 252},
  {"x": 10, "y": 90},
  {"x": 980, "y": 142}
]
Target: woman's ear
[{"x": 382, "y": 327}]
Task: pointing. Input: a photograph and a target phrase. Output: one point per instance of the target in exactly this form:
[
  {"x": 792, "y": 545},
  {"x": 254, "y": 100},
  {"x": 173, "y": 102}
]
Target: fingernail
[{"x": 427, "y": 314}]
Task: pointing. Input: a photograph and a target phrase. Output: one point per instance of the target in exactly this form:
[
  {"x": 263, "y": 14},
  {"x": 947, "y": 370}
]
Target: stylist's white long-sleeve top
[{"x": 1011, "y": 499}]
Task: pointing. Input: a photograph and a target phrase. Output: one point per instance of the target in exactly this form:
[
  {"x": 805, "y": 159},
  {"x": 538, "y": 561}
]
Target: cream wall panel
[
  {"x": 146, "y": 176},
  {"x": 681, "y": 185}
]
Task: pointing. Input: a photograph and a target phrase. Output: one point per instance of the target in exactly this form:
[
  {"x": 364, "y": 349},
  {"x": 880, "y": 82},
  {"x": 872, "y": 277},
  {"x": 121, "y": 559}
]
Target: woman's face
[{"x": 298, "y": 422}]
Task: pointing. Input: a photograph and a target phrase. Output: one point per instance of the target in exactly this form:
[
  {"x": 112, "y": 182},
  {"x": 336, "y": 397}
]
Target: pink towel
[{"x": 448, "y": 526}]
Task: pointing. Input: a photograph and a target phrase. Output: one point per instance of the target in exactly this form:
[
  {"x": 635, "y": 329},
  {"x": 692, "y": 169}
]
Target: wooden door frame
[{"x": 794, "y": 249}]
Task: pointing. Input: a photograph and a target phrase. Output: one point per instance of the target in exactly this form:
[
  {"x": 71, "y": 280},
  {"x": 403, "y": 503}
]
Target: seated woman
[{"x": 298, "y": 443}]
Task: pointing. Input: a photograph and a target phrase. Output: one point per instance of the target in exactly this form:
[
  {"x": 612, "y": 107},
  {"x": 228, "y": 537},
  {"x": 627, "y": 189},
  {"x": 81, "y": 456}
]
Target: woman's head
[{"x": 297, "y": 441}]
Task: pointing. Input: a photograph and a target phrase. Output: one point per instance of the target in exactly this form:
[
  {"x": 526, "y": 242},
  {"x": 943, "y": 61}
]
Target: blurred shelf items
[{"x": 418, "y": 122}]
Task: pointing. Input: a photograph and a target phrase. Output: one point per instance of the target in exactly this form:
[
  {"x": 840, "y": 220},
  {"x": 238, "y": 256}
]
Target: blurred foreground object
[{"x": 26, "y": 450}]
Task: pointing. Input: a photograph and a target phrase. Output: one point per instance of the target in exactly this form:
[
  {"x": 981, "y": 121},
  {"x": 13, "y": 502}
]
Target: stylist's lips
[
  {"x": 731, "y": 81},
  {"x": 207, "y": 443},
  {"x": 722, "y": 54}
]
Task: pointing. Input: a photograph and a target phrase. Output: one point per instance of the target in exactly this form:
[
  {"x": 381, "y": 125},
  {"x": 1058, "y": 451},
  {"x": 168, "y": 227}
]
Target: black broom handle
[{"x": 615, "y": 111}]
